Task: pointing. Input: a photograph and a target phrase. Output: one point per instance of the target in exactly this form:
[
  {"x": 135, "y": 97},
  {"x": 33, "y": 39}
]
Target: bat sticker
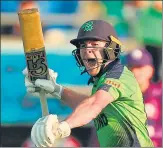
[{"x": 37, "y": 65}]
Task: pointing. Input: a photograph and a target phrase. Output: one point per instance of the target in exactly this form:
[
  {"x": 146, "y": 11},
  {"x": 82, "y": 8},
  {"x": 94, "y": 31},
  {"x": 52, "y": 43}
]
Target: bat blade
[{"x": 33, "y": 42}]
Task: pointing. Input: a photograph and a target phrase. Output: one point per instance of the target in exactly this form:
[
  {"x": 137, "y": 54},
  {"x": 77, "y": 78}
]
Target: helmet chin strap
[
  {"x": 102, "y": 67},
  {"x": 92, "y": 77}
]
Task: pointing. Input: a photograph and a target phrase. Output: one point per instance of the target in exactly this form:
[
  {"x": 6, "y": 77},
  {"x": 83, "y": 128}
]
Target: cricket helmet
[{"x": 97, "y": 30}]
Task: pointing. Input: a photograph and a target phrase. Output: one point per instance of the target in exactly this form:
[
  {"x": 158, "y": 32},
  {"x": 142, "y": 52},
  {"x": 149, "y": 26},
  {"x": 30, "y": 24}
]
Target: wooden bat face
[
  {"x": 33, "y": 42},
  {"x": 34, "y": 49}
]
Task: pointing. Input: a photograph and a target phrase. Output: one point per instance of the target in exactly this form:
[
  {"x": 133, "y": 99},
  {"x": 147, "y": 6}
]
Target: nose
[{"x": 88, "y": 50}]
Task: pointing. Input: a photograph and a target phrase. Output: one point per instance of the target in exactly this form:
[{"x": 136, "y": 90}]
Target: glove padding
[
  {"x": 47, "y": 129},
  {"x": 51, "y": 88}
]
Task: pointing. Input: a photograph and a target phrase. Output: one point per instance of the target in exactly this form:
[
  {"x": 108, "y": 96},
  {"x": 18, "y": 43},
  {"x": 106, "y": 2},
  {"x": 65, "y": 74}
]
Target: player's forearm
[
  {"x": 83, "y": 114},
  {"x": 72, "y": 98}
]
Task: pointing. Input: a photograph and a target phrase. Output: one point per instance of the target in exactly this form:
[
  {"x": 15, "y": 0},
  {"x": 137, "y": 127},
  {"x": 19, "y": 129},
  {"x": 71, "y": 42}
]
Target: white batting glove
[
  {"x": 50, "y": 86},
  {"x": 47, "y": 129}
]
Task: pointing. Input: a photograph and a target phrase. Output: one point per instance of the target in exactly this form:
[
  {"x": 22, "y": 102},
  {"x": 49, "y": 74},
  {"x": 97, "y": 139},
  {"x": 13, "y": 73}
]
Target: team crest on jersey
[
  {"x": 88, "y": 26},
  {"x": 113, "y": 83}
]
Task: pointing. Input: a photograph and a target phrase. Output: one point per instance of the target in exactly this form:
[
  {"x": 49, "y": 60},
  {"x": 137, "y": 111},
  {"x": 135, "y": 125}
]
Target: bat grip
[{"x": 43, "y": 102}]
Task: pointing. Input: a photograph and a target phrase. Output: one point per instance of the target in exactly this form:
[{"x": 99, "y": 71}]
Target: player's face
[
  {"x": 143, "y": 74},
  {"x": 92, "y": 57}
]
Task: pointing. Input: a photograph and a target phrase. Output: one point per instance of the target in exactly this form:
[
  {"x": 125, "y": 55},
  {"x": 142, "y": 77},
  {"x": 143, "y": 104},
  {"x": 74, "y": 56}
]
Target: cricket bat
[{"x": 34, "y": 49}]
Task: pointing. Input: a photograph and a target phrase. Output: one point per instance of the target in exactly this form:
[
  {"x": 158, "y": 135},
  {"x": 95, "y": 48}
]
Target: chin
[{"x": 93, "y": 72}]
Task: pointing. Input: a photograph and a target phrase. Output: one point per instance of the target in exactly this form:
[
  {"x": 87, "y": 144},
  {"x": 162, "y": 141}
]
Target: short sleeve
[{"x": 113, "y": 86}]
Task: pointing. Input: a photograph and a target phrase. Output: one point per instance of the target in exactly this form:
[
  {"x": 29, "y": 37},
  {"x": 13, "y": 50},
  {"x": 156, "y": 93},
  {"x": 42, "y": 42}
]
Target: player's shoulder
[
  {"x": 122, "y": 76},
  {"x": 114, "y": 70},
  {"x": 119, "y": 71}
]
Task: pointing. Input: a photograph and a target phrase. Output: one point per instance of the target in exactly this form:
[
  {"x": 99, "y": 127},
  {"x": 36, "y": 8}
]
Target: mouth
[{"x": 91, "y": 62}]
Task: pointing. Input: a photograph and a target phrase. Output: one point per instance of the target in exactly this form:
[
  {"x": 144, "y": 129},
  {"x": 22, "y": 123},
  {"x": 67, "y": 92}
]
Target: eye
[
  {"x": 82, "y": 45},
  {"x": 95, "y": 45}
]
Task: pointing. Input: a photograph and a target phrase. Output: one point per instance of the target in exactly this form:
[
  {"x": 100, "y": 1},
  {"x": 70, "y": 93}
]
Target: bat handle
[{"x": 44, "y": 105}]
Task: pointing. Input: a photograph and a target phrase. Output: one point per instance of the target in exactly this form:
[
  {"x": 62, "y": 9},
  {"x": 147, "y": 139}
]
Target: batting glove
[
  {"x": 50, "y": 86},
  {"x": 47, "y": 129}
]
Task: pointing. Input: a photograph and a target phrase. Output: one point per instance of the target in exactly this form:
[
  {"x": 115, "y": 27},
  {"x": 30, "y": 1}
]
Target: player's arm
[
  {"x": 89, "y": 108},
  {"x": 72, "y": 98},
  {"x": 85, "y": 111},
  {"x": 108, "y": 91}
]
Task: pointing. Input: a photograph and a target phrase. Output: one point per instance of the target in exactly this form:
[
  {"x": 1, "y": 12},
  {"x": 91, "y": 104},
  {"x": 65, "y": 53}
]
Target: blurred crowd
[{"x": 139, "y": 20}]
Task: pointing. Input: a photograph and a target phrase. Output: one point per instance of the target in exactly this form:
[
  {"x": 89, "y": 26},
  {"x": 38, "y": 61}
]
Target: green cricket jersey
[{"x": 121, "y": 123}]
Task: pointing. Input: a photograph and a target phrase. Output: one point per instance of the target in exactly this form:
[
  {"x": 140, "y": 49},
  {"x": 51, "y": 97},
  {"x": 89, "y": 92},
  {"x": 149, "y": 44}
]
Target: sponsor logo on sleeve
[{"x": 113, "y": 83}]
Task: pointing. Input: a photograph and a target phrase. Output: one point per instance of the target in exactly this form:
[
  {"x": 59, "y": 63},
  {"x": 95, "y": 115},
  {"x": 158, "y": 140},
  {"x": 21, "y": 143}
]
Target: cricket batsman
[{"x": 116, "y": 104}]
